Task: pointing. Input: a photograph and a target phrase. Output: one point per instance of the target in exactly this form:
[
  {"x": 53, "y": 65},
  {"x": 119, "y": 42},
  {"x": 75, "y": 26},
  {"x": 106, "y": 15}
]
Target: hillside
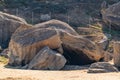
[{"x": 75, "y": 12}]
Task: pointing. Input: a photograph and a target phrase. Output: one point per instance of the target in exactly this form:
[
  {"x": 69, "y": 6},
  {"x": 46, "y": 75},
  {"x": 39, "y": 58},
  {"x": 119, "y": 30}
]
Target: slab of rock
[
  {"x": 8, "y": 25},
  {"x": 26, "y": 44},
  {"x": 47, "y": 59},
  {"x": 102, "y": 67},
  {"x": 79, "y": 50},
  {"x": 112, "y": 16}
]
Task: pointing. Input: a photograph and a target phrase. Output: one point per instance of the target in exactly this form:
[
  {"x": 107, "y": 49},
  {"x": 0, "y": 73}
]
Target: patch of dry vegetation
[{"x": 3, "y": 60}]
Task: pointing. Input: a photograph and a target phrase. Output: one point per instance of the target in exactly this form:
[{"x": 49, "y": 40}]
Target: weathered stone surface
[
  {"x": 95, "y": 35},
  {"x": 79, "y": 50},
  {"x": 47, "y": 59},
  {"x": 57, "y": 25},
  {"x": 102, "y": 67},
  {"x": 8, "y": 25},
  {"x": 107, "y": 56},
  {"x": 58, "y": 36},
  {"x": 116, "y": 56},
  {"x": 112, "y": 16},
  {"x": 25, "y": 45}
]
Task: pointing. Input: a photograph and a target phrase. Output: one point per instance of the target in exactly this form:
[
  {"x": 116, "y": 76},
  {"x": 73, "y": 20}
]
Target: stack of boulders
[
  {"x": 27, "y": 46},
  {"x": 47, "y": 45}
]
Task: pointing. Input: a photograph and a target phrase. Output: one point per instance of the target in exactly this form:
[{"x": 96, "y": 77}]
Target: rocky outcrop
[
  {"x": 102, "y": 67},
  {"x": 47, "y": 59},
  {"x": 8, "y": 25},
  {"x": 111, "y": 15},
  {"x": 58, "y": 36}
]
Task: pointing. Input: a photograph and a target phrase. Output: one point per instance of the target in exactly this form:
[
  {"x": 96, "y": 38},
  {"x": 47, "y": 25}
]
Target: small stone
[{"x": 102, "y": 67}]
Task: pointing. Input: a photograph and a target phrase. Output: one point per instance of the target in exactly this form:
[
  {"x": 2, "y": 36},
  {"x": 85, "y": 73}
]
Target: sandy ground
[{"x": 19, "y": 74}]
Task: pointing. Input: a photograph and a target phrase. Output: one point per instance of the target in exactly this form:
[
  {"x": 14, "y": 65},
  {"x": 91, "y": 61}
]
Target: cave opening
[{"x": 75, "y": 58}]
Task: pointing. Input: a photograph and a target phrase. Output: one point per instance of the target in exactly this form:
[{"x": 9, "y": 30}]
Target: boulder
[
  {"x": 111, "y": 15},
  {"x": 79, "y": 50},
  {"x": 116, "y": 55},
  {"x": 8, "y": 25},
  {"x": 24, "y": 45},
  {"x": 47, "y": 59},
  {"x": 102, "y": 67}
]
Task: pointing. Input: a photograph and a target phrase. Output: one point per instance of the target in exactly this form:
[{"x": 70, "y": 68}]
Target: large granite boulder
[
  {"x": 111, "y": 15},
  {"x": 47, "y": 59},
  {"x": 8, "y": 25}
]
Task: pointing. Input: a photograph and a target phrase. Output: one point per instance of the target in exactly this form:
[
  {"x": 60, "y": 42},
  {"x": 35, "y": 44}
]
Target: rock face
[
  {"x": 47, "y": 59},
  {"x": 8, "y": 25},
  {"x": 58, "y": 36},
  {"x": 79, "y": 50},
  {"x": 112, "y": 16},
  {"x": 25, "y": 45},
  {"x": 95, "y": 35},
  {"x": 102, "y": 67},
  {"x": 116, "y": 56}
]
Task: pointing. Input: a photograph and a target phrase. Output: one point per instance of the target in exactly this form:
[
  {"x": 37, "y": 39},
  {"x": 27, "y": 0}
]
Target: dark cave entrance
[{"x": 75, "y": 58}]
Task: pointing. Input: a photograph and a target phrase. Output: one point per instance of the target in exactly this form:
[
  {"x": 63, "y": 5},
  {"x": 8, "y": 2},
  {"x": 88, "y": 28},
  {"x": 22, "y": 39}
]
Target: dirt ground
[{"x": 19, "y": 74}]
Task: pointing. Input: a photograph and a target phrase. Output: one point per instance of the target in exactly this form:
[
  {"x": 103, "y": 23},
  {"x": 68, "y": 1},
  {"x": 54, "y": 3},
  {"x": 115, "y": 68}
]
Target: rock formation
[
  {"x": 111, "y": 16},
  {"x": 8, "y": 25},
  {"x": 59, "y": 36},
  {"x": 47, "y": 59},
  {"x": 79, "y": 50}
]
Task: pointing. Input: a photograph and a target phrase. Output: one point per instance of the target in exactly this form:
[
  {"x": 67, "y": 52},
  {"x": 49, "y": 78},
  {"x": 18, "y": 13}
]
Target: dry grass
[{"x": 3, "y": 60}]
